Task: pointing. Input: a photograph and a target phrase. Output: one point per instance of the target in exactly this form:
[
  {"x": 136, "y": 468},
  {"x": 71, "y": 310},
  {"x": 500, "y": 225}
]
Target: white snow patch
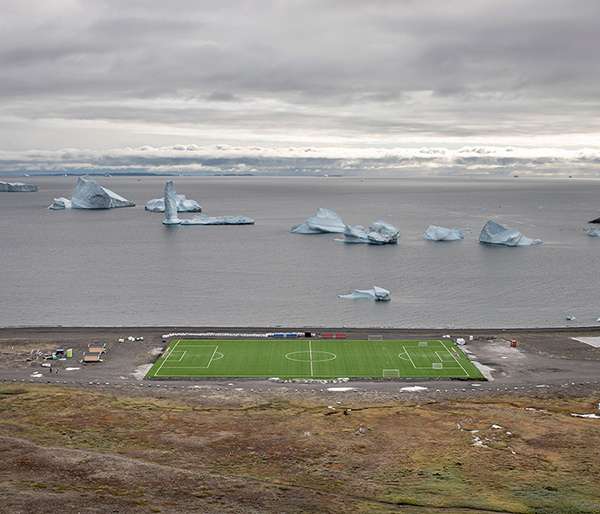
[
  {"x": 592, "y": 341},
  {"x": 71, "y": 369},
  {"x": 590, "y": 416},
  {"x": 413, "y": 389},
  {"x": 341, "y": 389},
  {"x": 140, "y": 372}
]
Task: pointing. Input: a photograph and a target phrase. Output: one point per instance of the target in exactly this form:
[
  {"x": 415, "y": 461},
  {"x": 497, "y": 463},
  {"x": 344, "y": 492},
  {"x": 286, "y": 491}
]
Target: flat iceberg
[
  {"x": 493, "y": 233},
  {"x": 378, "y": 233},
  {"x": 379, "y": 294},
  {"x": 170, "y": 203},
  {"x": 183, "y": 204},
  {"x": 325, "y": 221},
  {"x": 17, "y": 187},
  {"x": 592, "y": 232},
  {"x": 59, "y": 204},
  {"x": 203, "y": 219},
  {"x": 435, "y": 233}
]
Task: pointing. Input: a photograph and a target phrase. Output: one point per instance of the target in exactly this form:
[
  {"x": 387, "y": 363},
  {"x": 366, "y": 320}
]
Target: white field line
[
  {"x": 182, "y": 356},
  {"x": 166, "y": 358},
  {"x": 310, "y": 357},
  {"x": 409, "y": 357},
  {"x": 457, "y": 361},
  {"x": 405, "y": 353},
  {"x": 212, "y": 356},
  {"x": 445, "y": 361}
]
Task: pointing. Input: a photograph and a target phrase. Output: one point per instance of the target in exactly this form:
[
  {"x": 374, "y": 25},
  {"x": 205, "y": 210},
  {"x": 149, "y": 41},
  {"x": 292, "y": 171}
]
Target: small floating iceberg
[
  {"x": 435, "y": 233},
  {"x": 203, "y": 219},
  {"x": 325, "y": 221},
  {"x": 493, "y": 233},
  {"x": 378, "y": 233},
  {"x": 183, "y": 204},
  {"x": 17, "y": 187},
  {"x": 89, "y": 195},
  {"x": 592, "y": 232},
  {"x": 59, "y": 204},
  {"x": 170, "y": 203},
  {"x": 379, "y": 294}
]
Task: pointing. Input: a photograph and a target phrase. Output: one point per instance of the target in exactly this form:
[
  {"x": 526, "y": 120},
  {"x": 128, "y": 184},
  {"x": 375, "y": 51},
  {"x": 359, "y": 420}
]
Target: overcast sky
[{"x": 113, "y": 75}]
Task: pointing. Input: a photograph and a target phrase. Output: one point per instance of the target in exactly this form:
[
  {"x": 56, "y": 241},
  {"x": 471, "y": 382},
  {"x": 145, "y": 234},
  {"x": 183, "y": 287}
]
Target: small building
[
  {"x": 97, "y": 347},
  {"x": 92, "y": 357}
]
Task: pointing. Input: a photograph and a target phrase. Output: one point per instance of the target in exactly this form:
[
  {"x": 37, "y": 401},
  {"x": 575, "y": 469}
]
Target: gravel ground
[{"x": 546, "y": 360}]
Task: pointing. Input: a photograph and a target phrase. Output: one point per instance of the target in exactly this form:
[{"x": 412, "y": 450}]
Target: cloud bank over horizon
[
  {"x": 186, "y": 86},
  {"x": 307, "y": 161}
]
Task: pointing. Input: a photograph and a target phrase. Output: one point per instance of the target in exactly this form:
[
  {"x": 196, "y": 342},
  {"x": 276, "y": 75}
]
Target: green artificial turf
[{"x": 312, "y": 358}]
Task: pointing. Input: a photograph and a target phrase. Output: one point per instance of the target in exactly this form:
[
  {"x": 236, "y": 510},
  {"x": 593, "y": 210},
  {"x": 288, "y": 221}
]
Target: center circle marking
[{"x": 305, "y": 356}]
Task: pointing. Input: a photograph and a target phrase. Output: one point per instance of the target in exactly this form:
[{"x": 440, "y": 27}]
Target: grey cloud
[{"x": 462, "y": 70}]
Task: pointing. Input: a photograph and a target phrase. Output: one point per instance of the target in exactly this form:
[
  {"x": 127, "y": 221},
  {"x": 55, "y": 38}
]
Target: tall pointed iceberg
[{"x": 171, "y": 217}]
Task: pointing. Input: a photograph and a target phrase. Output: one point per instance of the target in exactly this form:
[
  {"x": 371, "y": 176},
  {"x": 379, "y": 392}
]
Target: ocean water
[{"x": 123, "y": 267}]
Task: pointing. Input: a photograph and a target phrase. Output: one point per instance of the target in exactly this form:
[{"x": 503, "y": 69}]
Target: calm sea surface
[{"x": 123, "y": 267}]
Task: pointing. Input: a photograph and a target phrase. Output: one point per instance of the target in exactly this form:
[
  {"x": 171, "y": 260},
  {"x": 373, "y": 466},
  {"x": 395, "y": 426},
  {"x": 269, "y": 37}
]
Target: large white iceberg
[
  {"x": 435, "y": 233},
  {"x": 378, "y": 233},
  {"x": 170, "y": 202},
  {"x": 592, "y": 232},
  {"x": 183, "y": 204},
  {"x": 17, "y": 187},
  {"x": 89, "y": 195},
  {"x": 493, "y": 233},
  {"x": 379, "y": 294},
  {"x": 203, "y": 219},
  {"x": 324, "y": 222},
  {"x": 60, "y": 203}
]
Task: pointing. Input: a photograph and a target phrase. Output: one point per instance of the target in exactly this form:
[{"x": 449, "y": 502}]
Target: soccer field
[{"x": 312, "y": 358}]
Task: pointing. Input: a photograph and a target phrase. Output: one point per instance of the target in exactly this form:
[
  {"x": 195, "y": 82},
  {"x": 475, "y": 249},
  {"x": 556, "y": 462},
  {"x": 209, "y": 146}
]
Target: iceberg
[
  {"x": 59, "y": 204},
  {"x": 203, "y": 219},
  {"x": 378, "y": 233},
  {"x": 325, "y": 221},
  {"x": 435, "y": 233},
  {"x": 89, "y": 195},
  {"x": 183, "y": 204},
  {"x": 17, "y": 187},
  {"x": 379, "y": 294},
  {"x": 170, "y": 202},
  {"x": 493, "y": 233},
  {"x": 592, "y": 232}
]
